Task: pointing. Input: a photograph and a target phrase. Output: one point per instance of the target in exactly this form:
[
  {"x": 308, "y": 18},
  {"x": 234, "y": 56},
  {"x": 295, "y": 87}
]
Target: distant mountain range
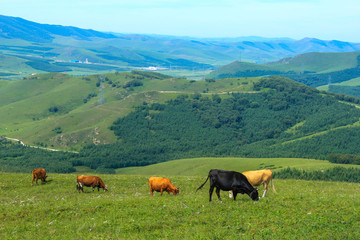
[
  {"x": 18, "y": 28},
  {"x": 26, "y": 42}
]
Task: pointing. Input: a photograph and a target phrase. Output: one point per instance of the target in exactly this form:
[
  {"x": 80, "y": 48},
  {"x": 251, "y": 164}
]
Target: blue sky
[{"x": 323, "y": 19}]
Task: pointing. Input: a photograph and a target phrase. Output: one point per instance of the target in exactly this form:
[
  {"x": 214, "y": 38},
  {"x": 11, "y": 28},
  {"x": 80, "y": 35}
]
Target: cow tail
[
  {"x": 203, "y": 183},
  {"x": 272, "y": 186}
]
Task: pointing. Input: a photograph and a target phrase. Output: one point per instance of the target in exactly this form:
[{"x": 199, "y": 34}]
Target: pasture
[{"x": 55, "y": 210}]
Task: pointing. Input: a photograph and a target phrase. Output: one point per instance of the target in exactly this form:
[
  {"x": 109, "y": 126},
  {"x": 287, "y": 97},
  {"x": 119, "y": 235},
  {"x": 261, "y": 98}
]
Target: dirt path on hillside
[{"x": 44, "y": 148}]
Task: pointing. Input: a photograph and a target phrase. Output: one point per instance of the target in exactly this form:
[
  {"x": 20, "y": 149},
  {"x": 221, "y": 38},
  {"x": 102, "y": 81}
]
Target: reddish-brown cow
[
  {"x": 90, "y": 181},
  {"x": 39, "y": 173},
  {"x": 160, "y": 184}
]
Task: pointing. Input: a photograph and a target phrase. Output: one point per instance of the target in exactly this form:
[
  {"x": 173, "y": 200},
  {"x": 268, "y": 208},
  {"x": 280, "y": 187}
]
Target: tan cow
[
  {"x": 39, "y": 173},
  {"x": 160, "y": 184},
  {"x": 256, "y": 178},
  {"x": 90, "y": 181}
]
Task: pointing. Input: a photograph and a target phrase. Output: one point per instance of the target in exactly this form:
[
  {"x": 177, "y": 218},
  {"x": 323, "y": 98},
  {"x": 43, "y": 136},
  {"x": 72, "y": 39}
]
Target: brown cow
[
  {"x": 256, "y": 178},
  {"x": 90, "y": 181},
  {"x": 38, "y": 173},
  {"x": 160, "y": 184}
]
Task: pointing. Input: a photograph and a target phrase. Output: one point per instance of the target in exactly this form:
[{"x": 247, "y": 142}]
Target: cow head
[
  {"x": 105, "y": 188},
  {"x": 176, "y": 191},
  {"x": 254, "y": 195}
]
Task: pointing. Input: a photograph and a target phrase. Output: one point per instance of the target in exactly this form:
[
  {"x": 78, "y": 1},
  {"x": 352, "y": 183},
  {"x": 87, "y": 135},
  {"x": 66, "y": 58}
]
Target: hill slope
[
  {"x": 313, "y": 69},
  {"x": 175, "y": 118},
  {"x": 28, "y": 105}
]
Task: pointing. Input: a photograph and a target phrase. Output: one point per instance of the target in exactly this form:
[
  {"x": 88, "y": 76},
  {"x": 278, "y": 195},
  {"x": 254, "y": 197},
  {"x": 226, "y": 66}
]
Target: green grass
[
  {"x": 201, "y": 166},
  {"x": 55, "y": 210},
  {"x": 24, "y": 105},
  {"x": 320, "y": 62},
  {"x": 352, "y": 83},
  {"x": 312, "y": 62}
]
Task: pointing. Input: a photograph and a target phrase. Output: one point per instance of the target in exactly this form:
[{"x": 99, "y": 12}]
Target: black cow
[{"x": 230, "y": 180}]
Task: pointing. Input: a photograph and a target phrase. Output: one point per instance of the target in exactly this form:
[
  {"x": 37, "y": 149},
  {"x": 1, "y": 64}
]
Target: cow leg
[
  {"x": 161, "y": 191},
  {"x": 265, "y": 188},
  {"x": 80, "y": 187},
  {"x": 211, "y": 192},
  {"x": 264, "y": 194},
  {"x": 218, "y": 193},
  {"x": 235, "y": 194},
  {"x": 152, "y": 192}
]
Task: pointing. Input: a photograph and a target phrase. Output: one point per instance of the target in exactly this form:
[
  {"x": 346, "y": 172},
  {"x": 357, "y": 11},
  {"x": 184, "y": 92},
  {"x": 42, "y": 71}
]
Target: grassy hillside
[
  {"x": 300, "y": 208},
  {"x": 309, "y": 62},
  {"x": 313, "y": 69},
  {"x": 27, "y": 106},
  {"x": 317, "y": 62},
  {"x": 201, "y": 166},
  {"x": 351, "y": 87},
  {"x": 141, "y": 118}
]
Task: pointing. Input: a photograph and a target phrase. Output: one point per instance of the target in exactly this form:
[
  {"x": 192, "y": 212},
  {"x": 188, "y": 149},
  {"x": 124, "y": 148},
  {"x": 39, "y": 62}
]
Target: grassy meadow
[
  {"x": 55, "y": 210},
  {"x": 201, "y": 166}
]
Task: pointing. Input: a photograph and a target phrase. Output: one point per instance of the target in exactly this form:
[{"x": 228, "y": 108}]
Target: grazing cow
[
  {"x": 160, "y": 184},
  {"x": 38, "y": 173},
  {"x": 230, "y": 180},
  {"x": 256, "y": 178},
  {"x": 90, "y": 181}
]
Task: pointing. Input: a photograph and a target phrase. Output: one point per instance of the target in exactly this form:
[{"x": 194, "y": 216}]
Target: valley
[
  {"x": 112, "y": 101},
  {"x": 125, "y": 107}
]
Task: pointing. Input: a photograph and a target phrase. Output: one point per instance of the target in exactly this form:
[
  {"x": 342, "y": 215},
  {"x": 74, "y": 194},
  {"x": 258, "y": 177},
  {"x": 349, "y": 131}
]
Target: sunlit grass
[{"x": 55, "y": 210}]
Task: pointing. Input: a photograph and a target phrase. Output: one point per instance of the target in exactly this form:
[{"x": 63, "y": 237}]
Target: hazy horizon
[{"x": 295, "y": 19}]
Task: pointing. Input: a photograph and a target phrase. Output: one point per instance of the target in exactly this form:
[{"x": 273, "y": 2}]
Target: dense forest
[
  {"x": 15, "y": 157},
  {"x": 334, "y": 174},
  {"x": 282, "y": 118},
  {"x": 239, "y": 124},
  {"x": 308, "y": 78}
]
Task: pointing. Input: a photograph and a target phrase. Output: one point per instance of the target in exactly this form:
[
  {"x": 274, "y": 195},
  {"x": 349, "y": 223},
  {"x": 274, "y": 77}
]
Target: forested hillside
[
  {"x": 278, "y": 118},
  {"x": 276, "y": 123}
]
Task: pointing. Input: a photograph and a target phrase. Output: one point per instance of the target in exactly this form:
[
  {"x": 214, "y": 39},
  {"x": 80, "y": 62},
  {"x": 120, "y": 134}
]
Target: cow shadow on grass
[
  {"x": 45, "y": 183},
  {"x": 41, "y": 183}
]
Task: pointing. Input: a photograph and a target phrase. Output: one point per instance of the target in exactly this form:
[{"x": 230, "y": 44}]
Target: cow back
[
  {"x": 158, "y": 183},
  {"x": 256, "y": 178}
]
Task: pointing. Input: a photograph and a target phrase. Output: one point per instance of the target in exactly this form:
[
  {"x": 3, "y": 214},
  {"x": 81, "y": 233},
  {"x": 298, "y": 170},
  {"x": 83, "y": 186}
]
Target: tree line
[{"x": 334, "y": 174}]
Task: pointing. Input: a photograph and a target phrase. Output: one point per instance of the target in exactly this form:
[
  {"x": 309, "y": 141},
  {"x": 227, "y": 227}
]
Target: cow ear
[{"x": 178, "y": 188}]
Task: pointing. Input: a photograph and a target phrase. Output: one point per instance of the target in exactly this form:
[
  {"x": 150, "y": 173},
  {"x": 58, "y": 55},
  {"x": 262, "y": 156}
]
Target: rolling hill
[
  {"x": 313, "y": 69},
  {"x": 139, "y": 118},
  {"x": 27, "y": 105},
  {"x": 37, "y": 48},
  {"x": 307, "y": 63}
]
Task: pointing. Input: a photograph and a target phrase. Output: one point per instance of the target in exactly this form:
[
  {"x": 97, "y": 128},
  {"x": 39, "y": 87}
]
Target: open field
[
  {"x": 201, "y": 166},
  {"x": 299, "y": 210}
]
